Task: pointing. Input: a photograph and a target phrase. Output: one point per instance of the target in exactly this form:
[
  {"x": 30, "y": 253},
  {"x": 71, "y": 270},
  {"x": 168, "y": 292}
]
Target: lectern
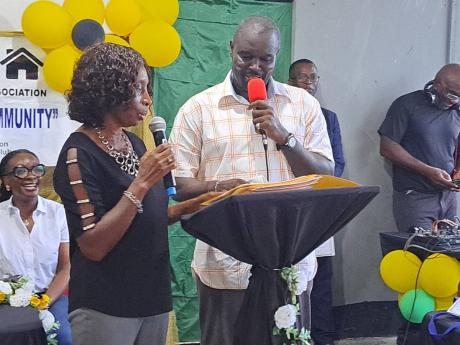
[{"x": 272, "y": 230}]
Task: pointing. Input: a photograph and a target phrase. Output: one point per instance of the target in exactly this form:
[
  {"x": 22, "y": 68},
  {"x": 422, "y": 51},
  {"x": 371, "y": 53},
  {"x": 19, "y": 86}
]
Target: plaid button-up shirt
[{"x": 214, "y": 138}]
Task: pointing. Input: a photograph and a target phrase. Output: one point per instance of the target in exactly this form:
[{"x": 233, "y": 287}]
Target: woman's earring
[{"x": 7, "y": 187}]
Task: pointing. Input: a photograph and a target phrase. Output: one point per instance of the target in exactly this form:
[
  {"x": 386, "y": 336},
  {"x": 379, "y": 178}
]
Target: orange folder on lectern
[{"x": 299, "y": 183}]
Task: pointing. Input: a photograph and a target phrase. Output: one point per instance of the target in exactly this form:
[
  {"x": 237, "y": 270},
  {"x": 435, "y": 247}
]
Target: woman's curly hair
[{"x": 102, "y": 81}]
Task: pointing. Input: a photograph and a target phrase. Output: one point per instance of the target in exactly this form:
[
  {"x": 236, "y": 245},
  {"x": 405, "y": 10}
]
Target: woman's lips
[{"x": 30, "y": 187}]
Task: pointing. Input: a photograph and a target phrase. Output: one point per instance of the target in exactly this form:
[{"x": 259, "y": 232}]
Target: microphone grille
[
  {"x": 157, "y": 123},
  {"x": 256, "y": 90}
]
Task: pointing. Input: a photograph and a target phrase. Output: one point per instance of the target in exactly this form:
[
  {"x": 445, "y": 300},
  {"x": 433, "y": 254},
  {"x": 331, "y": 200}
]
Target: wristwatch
[{"x": 291, "y": 142}]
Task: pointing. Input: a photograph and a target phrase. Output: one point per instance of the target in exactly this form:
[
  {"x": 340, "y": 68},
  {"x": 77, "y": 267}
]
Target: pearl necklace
[{"x": 129, "y": 161}]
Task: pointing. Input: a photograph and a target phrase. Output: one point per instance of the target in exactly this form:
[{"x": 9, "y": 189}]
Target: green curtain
[{"x": 206, "y": 28}]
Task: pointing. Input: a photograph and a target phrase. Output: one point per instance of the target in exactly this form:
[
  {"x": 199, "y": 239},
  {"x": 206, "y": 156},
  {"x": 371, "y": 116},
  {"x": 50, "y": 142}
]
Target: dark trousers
[
  {"x": 219, "y": 310},
  {"x": 322, "y": 319},
  {"x": 412, "y": 208}
]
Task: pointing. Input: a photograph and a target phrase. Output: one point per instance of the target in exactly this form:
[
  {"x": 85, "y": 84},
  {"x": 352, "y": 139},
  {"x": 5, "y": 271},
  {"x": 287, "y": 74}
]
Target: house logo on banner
[
  {"x": 19, "y": 60},
  {"x": 32, "y": 116}
]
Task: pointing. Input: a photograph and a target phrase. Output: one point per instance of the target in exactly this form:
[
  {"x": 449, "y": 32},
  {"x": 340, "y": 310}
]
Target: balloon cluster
[
  {"x": 65, "y": 31},
  {"x": 423, "y": 287}
]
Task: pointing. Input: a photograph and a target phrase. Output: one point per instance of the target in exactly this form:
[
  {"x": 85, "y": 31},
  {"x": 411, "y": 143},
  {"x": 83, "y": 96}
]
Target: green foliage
[{"x": 292, "y": 335}]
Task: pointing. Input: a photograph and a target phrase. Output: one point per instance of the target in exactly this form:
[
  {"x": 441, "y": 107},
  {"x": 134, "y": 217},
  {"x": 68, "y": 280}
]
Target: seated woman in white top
[{"x": 34, "y": 239}]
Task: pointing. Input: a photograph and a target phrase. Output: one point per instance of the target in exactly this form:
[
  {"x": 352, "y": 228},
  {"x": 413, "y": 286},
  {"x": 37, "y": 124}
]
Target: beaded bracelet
[{"x": 134, "y": 200}]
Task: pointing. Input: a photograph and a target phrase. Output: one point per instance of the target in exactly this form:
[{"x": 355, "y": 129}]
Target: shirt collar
[
  {"x": 41, "y": 205},
  {"x": 41, "y": 208},
  {"x": 274, "y": 89}
]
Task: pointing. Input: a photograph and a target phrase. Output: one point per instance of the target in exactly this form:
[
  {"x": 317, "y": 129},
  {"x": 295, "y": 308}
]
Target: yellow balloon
[
  {"x": 46, "y": 24},
  {"x": 399, "y": 269},
  {"x": 58, "y": 68},
  {"x": 158, "y": 42},
  {"x": 115, "y": 39},
  {"x": 122, "y": 16},
  {"x": 71, "y": 44},
  {"x": 440, "y": 275},
  {"x": 444, "y": 303},
  {"x": 163, "y": 10},
  {"x": 85, "y": 9}
]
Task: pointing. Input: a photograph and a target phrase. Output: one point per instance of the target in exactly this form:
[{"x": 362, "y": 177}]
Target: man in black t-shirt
[{"x": 420, "y": 137}]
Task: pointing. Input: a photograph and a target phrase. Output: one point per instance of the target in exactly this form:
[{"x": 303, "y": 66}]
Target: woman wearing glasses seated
[{"x": 34, "y": 239}]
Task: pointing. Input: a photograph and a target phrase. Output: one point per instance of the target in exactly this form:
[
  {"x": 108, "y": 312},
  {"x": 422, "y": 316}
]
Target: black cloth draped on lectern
[
  {"x": 272, "y": 231},
  {"x": 20, "y": 326}
]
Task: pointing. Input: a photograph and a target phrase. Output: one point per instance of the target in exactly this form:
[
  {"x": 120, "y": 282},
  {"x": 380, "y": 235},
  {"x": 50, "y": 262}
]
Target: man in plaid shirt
[{"x": 217, "y": 142}]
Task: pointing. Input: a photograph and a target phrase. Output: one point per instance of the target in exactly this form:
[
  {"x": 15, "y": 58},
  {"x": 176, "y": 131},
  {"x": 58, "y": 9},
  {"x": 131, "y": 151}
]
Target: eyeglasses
[
  {"x": 452, "y": 97},
  {"x": 305, "y": 78},
  {"x": 22, "y": 172}
]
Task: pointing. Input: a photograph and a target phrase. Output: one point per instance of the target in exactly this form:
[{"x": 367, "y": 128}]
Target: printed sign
[{"x": 32, "y": 116}]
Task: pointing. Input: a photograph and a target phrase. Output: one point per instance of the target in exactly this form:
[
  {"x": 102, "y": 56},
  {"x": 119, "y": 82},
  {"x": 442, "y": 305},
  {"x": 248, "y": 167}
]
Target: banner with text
[{"x": 32, "y": 116}]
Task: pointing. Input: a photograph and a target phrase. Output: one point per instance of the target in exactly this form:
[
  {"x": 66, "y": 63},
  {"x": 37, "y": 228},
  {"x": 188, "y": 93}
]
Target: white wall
[
  {"x": 369, "y": 52},
  {"x": 11, "y": 13}
]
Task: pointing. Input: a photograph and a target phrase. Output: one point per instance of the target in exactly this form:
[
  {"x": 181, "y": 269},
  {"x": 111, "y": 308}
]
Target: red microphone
[{"x": 258, "y": 92}]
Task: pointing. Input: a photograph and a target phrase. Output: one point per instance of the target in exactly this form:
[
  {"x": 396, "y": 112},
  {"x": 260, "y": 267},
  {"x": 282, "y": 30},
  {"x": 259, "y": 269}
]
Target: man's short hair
[
  {"x": 259, "y": 23},
  {"x": 298, "y": 62}
]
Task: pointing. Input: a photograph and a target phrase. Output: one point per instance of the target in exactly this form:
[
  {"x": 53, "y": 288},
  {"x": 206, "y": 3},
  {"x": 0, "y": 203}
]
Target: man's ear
[{"x": 231, "y": 48}]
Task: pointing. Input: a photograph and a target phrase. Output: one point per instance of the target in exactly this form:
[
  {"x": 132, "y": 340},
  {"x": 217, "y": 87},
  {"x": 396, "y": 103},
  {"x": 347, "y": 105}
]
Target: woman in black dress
[{"x": 116, "y": 204}]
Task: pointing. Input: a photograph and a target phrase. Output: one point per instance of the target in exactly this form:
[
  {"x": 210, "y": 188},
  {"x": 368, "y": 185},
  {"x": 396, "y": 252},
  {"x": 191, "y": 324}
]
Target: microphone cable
[{"x": 265, "y": 144}]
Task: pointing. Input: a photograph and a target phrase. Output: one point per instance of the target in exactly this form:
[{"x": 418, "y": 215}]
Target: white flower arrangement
[
  {"x": 286, "y": 315},
  {"x": 47, "y": 319},
  {"x": 20, "y": 298},
  {"x": 18, "y": 293}
]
